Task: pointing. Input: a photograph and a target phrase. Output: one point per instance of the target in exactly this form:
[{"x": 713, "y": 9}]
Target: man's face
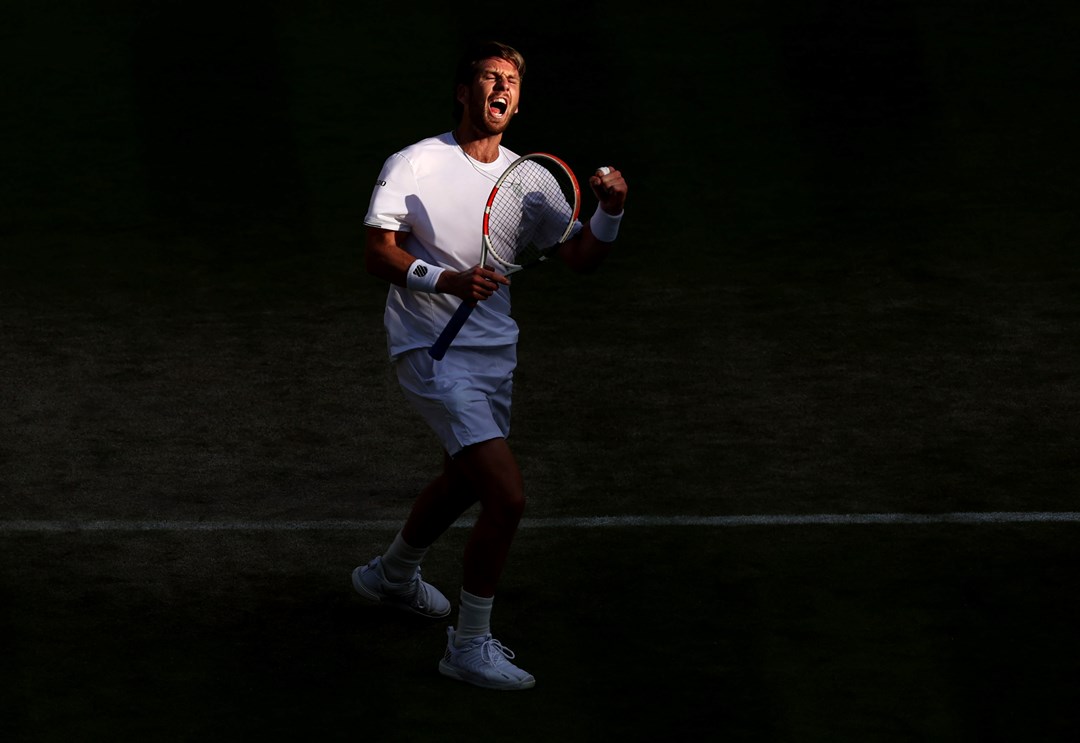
[{"x": 492, "y": 98}]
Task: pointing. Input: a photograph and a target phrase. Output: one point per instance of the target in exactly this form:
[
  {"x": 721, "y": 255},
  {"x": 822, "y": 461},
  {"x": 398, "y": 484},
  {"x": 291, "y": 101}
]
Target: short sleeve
[{"x": 388, "y": 208}]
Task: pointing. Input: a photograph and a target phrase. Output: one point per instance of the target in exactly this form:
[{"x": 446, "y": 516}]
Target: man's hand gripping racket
[{"x": 530, "y": 212}]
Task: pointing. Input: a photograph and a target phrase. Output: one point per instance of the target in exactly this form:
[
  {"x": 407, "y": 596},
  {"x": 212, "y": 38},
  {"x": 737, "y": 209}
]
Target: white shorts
[{"x": 465, "y": 397}]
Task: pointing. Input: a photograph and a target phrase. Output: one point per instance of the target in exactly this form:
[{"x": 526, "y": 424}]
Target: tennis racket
[{"x": 529, "y": 213}]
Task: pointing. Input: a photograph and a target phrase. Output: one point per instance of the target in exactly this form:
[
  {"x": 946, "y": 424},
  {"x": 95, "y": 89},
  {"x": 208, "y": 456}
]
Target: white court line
[{"x": 585, "y": 522}]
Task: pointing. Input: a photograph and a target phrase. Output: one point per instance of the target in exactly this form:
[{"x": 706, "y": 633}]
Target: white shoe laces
[
  {"x": 420, "y": 592},
  {"x": 494, "y": 652}
]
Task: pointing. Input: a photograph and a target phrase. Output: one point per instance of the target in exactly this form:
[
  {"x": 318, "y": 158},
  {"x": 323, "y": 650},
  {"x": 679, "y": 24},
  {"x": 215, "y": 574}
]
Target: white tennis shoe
[
  {"x": 483, "y": 661},
  {"x": 413, "y": 595}
]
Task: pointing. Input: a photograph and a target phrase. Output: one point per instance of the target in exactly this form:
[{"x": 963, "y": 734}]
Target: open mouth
[{"x": 498, "y": 107}]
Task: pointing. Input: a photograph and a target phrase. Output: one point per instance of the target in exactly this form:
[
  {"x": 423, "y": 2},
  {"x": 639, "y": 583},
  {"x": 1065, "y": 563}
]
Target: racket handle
[{"x": 438, "y": 349}]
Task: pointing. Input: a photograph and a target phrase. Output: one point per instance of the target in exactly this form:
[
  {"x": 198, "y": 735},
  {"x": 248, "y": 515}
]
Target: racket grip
[{"x": 446, "y": 337}]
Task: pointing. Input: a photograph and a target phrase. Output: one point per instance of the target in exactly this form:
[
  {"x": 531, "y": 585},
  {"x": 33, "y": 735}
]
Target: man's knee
[{"x": 508, "y": 505}]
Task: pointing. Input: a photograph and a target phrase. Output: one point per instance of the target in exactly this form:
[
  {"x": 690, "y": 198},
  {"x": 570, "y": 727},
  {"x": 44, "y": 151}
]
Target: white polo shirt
[{"x": 437, "y": 193}]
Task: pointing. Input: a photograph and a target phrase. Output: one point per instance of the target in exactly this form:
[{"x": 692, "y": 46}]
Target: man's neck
[{"x": 483, "y": 148}]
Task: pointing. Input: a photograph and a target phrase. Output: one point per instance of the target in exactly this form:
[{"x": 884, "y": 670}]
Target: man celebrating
[{"x": 423, "y": 238}]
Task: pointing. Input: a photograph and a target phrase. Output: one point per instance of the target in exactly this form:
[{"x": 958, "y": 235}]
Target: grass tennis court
[{"x": 868, "y": 304}]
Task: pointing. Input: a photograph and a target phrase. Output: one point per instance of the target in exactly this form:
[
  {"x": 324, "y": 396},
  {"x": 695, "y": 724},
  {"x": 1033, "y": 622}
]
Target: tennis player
[{"x": 424, "y": 237}]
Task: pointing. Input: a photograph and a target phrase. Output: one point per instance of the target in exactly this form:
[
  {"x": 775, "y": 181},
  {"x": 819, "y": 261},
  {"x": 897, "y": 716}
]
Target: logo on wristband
[{"x": 420, "y": 271}]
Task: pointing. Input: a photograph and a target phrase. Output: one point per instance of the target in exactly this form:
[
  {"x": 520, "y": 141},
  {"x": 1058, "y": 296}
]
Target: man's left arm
[{"x": 588, "y": 249}]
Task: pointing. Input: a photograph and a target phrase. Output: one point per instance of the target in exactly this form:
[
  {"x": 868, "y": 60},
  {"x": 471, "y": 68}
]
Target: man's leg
[
  {"x": 486, "y": 472},
  {"x": 438, "y": 506},
  {"x": 394, "y": 576},
  {"x": 472, "y": 654},
  {"x": 491, "y": 471}
]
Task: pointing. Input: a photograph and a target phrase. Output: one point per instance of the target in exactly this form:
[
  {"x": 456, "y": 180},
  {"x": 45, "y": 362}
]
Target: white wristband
[
  {"x": 423, "y": 276},
  {"x": 604, "y": 226}
]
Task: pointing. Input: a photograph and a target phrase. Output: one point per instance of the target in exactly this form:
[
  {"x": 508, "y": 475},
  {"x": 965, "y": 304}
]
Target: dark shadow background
[{"x": 847, "y": 282}]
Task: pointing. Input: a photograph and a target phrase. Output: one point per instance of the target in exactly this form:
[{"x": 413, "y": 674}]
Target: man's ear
[{"x": 462, "y": 94}]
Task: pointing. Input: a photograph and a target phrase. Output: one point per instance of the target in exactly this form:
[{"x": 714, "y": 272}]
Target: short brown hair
[{"x": 466, "y": 66}]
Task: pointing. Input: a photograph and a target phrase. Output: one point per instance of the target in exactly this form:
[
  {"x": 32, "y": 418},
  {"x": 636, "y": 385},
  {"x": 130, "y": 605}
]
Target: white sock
[
  {"x": 400, "y": 561},
  {"x": 474, "y": 617}
]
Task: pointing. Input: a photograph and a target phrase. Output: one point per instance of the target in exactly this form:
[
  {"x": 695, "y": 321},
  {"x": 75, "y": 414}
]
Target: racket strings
[{"x": 531, "y": 213}]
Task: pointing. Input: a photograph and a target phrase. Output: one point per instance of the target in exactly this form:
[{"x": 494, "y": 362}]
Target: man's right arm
[{"x": 385, "y": 257}]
